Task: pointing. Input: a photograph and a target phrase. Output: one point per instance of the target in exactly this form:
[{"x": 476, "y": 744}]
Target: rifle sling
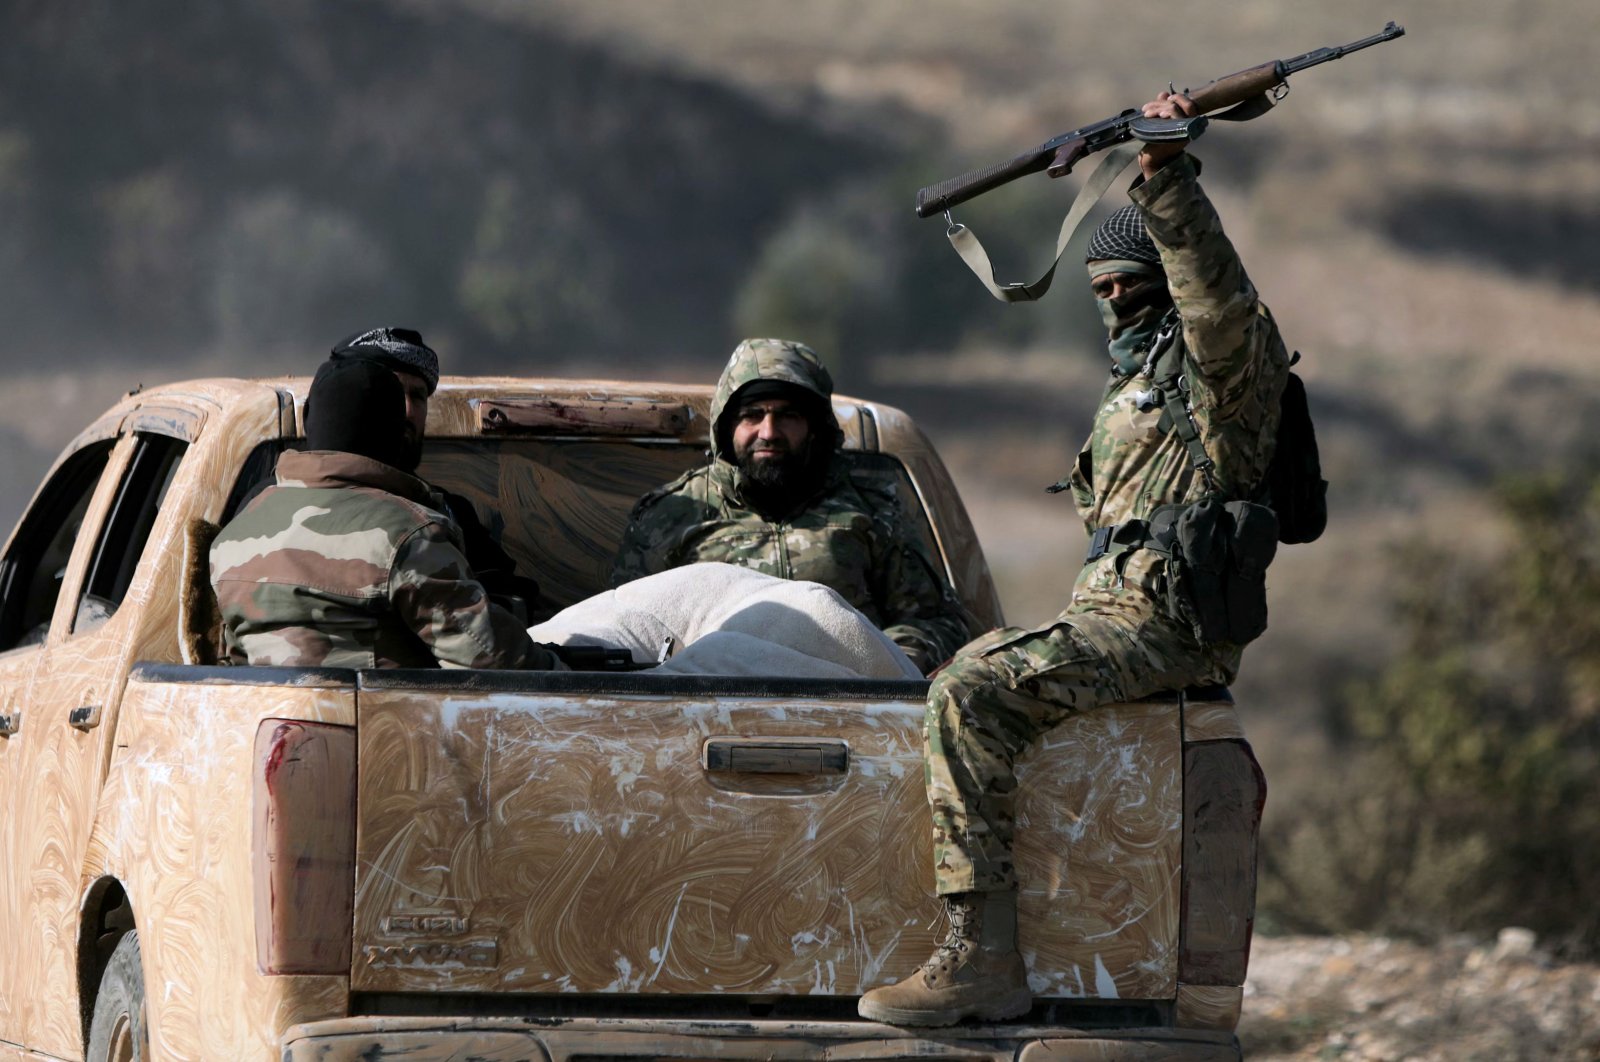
[
  {"x": 965, "y": 241},
  {"x": 971, "y": 251}
]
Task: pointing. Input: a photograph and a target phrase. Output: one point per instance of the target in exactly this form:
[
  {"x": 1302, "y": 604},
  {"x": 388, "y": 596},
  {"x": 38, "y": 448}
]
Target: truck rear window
[{"x": 559, "y": 506}]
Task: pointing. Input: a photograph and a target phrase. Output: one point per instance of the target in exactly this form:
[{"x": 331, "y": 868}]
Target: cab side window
[
  {"x": 133, "y": 515},
  {"x": 34, "y": 568}
]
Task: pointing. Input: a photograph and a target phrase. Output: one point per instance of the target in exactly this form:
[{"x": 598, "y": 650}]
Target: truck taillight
[
  {"x": 303, "y": 846},
  {"x": 1223, "y": 794}
]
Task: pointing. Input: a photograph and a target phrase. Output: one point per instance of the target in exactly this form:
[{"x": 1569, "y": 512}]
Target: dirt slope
[{"x": 1371, "y": 999}]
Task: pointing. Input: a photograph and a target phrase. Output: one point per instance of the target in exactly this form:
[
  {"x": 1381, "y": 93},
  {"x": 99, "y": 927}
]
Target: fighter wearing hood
[{"x": 778, "y": 497}]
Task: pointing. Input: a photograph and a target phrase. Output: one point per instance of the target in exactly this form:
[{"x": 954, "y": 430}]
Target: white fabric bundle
[{"x": 727, "y": 620}]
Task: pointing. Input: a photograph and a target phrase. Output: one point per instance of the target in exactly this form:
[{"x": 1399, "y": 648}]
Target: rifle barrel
[{"x": 1327, "y": 55}]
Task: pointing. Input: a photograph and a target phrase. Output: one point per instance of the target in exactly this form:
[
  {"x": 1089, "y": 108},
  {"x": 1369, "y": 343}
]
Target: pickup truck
[{"x": 201, "y": 861}]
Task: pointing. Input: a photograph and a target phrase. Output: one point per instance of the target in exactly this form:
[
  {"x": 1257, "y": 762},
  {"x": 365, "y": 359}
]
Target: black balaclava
[
  {"x": 778, "y": 487},
  {"x": 358, "y": 407},
  {"x": 1122, "y": 245}
]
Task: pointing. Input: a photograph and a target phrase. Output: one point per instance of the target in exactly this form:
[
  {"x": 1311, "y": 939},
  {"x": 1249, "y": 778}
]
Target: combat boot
[{"x": 976, "y": 971}]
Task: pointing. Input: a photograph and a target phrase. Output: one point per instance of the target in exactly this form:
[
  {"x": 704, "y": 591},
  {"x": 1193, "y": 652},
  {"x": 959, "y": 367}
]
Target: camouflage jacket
[
  {"x": 852, "y": 537},
  {"x": 347, "y": 562},
  {"x": 1236, "y": 367}
]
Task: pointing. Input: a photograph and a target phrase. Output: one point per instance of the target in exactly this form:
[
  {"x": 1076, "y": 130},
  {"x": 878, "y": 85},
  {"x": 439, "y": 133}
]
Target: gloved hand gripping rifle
[{"x": 1238, "y": 97}]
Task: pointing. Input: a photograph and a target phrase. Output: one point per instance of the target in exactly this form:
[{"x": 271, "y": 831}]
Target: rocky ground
[{"x": 1373, "y": 999}]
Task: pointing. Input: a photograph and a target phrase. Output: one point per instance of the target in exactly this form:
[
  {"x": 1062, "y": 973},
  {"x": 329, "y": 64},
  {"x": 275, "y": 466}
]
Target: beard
[{"x": 779, "y": 483}]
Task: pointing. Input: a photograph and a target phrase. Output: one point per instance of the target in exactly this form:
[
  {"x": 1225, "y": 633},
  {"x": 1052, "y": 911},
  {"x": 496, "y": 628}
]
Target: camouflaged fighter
[
  {"x": 1171, "y": 487},
  {"x": 202, "y": 861},
  {"x": 777, "y": 497},
  {"x": 348, "y": 560}
]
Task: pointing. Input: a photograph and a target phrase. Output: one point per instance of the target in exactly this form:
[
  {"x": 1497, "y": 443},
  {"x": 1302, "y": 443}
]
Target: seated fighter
[
  {"x": 779, "y": 498},
  {"x": 348, "y": 560},
  {"x": 416, "y": 366},
  {"x": 1169, "y": 285}
]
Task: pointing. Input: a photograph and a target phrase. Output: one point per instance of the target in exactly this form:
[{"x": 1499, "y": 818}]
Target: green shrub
[
  {"x": 533, "y": 277},
  {"x": 1468, "y": 802}
]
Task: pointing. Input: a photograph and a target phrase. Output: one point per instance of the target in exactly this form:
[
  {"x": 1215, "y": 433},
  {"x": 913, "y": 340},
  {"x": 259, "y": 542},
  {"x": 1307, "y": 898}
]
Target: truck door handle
[
  {"x": 776, "y": 755},
  {"x": 85, "y": 718},
  {"x": 10, "y": 723}
]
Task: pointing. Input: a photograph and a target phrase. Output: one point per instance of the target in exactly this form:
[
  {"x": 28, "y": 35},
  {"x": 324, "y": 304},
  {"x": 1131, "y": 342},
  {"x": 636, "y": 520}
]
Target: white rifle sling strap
[{"x": 971, "y": 251}]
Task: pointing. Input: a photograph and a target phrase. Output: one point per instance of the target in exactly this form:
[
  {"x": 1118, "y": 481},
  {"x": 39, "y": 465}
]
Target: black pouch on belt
[{"x": 1218, "y": 568}]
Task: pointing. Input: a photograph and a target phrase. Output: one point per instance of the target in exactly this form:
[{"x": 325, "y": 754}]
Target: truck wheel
[{"x": 117, "y": 1033}]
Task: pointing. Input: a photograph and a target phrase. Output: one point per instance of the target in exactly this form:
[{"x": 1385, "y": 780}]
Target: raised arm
[
  {"x": 1216, "y": 301},
  {"x": 1237, "y": 361}
]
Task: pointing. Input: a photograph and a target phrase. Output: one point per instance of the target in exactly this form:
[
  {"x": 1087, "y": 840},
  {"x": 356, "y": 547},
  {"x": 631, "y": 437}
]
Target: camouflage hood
[{"x": 778, "y": 361}]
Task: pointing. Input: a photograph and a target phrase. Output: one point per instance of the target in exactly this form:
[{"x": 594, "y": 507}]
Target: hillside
[
  {"x": 256, "y": 180},
  {"x": 625, "y": 187},
  {"x": 576, "y": 187}
]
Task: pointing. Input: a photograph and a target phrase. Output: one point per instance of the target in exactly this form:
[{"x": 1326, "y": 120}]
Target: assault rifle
[{"x": 1250, "y": 92}]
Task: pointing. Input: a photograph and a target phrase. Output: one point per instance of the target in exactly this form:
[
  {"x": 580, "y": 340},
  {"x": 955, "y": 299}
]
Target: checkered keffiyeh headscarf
[
  {"x": 1122, "y": 237},
  {"x": 400, "y": 349}
]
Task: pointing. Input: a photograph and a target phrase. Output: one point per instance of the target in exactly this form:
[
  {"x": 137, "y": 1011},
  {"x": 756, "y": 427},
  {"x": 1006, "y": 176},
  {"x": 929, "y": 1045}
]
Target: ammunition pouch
[
  {"x": 1217, "y": 572},
  {"x": 1217, "y": 555}
]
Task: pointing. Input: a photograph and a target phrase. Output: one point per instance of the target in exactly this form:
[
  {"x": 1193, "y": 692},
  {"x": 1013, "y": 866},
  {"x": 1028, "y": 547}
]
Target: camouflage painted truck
[{"x": 212, "y": 862}]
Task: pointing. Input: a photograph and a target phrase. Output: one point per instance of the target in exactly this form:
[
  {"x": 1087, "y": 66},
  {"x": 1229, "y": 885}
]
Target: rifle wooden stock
[{"x": 1236, "y": 88}]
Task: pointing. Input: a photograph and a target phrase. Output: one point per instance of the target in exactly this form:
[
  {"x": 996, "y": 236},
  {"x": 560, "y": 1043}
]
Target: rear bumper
[{"x": 567, "y": 1039}]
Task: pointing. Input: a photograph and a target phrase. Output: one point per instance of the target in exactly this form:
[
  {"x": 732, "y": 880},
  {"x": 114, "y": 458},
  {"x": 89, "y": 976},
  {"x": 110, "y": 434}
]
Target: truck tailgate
[{"x": 652, "y": 834}]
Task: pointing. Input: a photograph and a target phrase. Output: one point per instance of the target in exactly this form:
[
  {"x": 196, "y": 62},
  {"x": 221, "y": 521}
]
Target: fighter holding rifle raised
[{"x": 1177, "y": 489}]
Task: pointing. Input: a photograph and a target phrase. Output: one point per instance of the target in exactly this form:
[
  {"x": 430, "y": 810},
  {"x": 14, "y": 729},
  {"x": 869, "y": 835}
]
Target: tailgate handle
[{"x": 776, "y": 755}]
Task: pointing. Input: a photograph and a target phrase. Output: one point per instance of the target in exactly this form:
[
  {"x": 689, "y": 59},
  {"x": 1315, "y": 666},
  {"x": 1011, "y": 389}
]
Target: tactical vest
[{"x": 1217, "y": 548}]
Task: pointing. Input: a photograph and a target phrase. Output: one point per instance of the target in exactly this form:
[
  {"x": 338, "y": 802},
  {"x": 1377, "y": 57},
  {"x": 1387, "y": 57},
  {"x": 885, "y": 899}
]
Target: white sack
[
  {"x": 762, "y": 626},
  {"x": 732, "y": 653}
]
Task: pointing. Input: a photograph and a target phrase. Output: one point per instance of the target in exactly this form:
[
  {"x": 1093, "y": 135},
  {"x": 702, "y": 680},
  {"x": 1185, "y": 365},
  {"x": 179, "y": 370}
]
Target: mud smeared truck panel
[{"x": 520, "y": 842}]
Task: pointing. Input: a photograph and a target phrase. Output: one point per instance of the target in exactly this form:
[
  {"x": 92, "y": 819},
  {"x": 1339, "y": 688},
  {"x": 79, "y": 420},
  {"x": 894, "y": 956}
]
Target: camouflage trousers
[{"x": 1003, "y": 692}]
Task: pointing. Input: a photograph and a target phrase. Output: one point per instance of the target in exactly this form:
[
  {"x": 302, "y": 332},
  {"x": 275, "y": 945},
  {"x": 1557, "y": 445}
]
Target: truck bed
[{"x": 561, "y": 835}]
